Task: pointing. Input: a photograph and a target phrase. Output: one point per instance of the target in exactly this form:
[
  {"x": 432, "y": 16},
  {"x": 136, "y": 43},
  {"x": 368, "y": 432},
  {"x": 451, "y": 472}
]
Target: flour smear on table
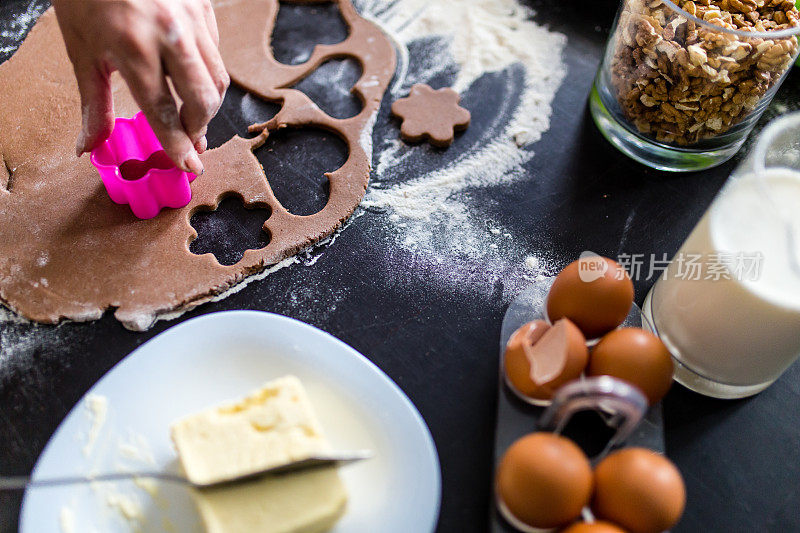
[
  {"x": 430, "y": 214},
  {"x": 12, "y": 31}
]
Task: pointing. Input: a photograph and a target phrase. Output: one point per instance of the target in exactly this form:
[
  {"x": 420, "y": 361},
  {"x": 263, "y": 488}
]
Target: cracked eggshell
[
  {"x": 636, "y": 356},
  {"x": 596, "y": 293},
  {"x": 640, "y": 490},
  {"x": 544, "y": 480},
  {"x": 540, "y": 358}
]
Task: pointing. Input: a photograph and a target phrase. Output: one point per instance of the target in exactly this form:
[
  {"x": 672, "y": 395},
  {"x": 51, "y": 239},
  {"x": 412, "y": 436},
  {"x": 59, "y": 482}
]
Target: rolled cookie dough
[{"x": 67, "y": 251}]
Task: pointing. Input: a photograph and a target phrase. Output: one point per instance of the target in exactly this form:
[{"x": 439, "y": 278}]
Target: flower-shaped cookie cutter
[{"x": 136, "y": 171}]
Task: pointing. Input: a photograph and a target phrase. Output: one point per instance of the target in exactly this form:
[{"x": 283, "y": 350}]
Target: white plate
[{"x": 218, "y": 357}]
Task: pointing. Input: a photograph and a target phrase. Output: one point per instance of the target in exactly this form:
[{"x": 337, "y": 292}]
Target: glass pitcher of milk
[{"x": 728, "y": 305}]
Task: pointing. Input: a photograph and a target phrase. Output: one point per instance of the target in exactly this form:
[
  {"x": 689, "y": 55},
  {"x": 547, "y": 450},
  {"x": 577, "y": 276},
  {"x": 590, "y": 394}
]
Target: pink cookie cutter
[{"x": 136, "y": 171}]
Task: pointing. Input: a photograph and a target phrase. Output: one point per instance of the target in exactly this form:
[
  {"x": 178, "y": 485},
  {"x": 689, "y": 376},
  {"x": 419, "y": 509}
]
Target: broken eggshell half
[{"x": 539, "y": 358}]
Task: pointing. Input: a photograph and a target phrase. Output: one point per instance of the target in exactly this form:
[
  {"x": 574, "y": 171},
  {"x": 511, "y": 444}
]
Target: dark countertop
[{"x": 741, "y": 459}]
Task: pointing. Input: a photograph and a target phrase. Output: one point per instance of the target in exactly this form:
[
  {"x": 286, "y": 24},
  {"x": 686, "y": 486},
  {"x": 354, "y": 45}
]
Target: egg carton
[{"x": 600, "y": 413}]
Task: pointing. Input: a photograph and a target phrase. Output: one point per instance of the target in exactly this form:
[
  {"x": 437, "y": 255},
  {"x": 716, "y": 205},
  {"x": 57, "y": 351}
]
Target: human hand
[{"x": 147, "y": 41}]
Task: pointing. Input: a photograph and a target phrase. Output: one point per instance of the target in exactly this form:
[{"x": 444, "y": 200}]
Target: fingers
[
  {"x": 149, "y": 87},
  {"x": 198, "y": 76},
  {"x": 194, "y": 86},
  {"x": 213, "y": 61},
  {"x": 97, "y": 106},
  {"x": 216, "y": 69},
  {"x": 211, "y": 21},
  {"x": 178, "y": 40}
]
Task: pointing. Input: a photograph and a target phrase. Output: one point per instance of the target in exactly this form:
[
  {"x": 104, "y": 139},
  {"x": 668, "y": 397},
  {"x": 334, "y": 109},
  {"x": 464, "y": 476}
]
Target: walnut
[
  {"x": 681, "y": 82},
  {"x": 697, "y": 55},
  {"x": 742, "y": 6}
]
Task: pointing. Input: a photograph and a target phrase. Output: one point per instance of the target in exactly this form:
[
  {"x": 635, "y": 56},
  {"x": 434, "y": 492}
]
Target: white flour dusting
[
  {"x": 66, "y": 520},
  {"x": 431, "y": 214},
  {"x": 117, "y": 505},
  {"x": 97, "y": 409},
  {"x": 22, "y": 343},
  {"x": 8, "y": 317},
  {"x": 13, "y": 30},
  {"x": 484, "y": 36},
  {"x": 127, "y": 505}
]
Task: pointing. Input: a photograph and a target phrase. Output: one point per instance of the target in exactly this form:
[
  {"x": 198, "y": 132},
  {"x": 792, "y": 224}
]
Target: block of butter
[
  {"x": 306, "y": 501},
  {"x": 273, "y": 426}
]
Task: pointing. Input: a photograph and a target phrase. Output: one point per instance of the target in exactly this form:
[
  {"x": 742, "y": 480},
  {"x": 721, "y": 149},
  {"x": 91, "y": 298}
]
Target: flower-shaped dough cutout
[{"x": 431, "y": 114}]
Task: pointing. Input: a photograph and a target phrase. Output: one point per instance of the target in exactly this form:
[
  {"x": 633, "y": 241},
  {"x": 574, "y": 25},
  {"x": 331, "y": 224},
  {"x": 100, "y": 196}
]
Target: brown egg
[
  {"x": 593, "y": 527},
  {"x": 640, "y": 490},
  {"x": 595, "y": 292},
  {"x": 540, "y": 358},
  {"x": 544, "y": 480},
  {"x": 635, "y": 356}
]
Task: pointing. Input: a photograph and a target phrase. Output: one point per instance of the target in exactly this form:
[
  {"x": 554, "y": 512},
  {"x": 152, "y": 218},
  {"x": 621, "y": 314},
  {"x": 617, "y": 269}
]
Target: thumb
[{"x": 97, "y": 108}]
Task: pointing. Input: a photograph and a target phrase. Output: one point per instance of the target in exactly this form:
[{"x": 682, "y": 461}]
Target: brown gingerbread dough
[
  {"x": 68, "y": 252},
  {"x": 431, "y": 114}
]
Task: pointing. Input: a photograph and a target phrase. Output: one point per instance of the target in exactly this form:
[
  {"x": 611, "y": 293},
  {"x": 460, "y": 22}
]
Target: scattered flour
[
  {"x": 66, "y": 520},
  {"x": 431, "y": 214},
  {"x": 127, "y": 505},
  {"x": 252, "y": 109},
  {"x": 8, "y": 317},
  {"x": 30, "y": 353},
  {"x": 124, "y": 503},
  {"x": 136, "y": 449},
  {"x": 484, "y": 36},
  {"x": 149, "y": 485},
  {"x": 97, "y": 408},
  {"x": 14, "y": 29}
]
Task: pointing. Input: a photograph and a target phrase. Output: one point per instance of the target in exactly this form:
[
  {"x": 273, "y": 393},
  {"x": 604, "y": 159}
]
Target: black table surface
[{"x": 740, "y": 459}]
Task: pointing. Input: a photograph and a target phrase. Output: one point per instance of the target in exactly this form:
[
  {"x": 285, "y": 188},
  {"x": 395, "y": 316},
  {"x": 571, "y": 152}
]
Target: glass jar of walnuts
[{"x": 682, "y": 84}]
